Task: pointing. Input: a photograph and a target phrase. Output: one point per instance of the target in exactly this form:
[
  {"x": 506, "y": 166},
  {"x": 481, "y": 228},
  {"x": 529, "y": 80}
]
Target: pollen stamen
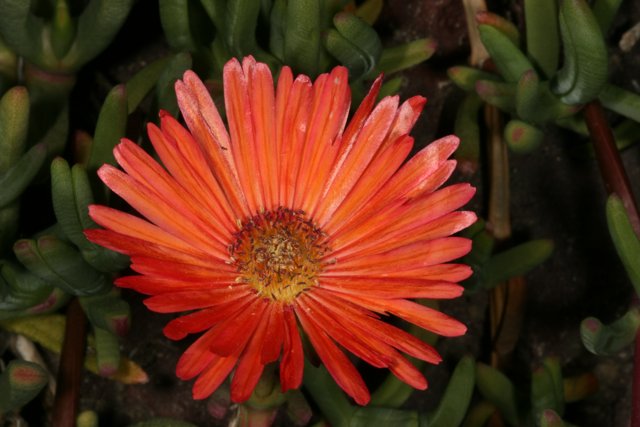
[{"x": 278, "y": 253}]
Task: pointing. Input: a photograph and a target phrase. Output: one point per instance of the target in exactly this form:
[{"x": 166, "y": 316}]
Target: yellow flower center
[{"x": 278, "y": 253}]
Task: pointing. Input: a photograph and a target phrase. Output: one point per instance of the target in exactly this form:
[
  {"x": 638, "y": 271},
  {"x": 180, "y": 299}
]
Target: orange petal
[
  {"x": 424, "y": 317},
  {"x": 292, "y": 362},
  {"x": 408, "y": 257},
  {"x": 184, "y": 159},
  {"x": 408, "y": 373},
  {"x": 385, "y": 163},
  {"x": 203, "y": 120},
  {"x": 352, "y": 163},
  {"x": 262, "y": 99},
  {"x": 343, "y": 336},
  {"x": 329, "y": 113},
  {"x": 385, "y": 287},
  {"x": 343, "y": 307},
  {"x": 400, "y": 218},
  {"x": 406, "y": 117},
  {"x": 129, "y": 225},
  {"x": 239, "y": 117},
  {"x": 132, "y": 246},
  {"x": 162, "y": 212},
  {"x": 338, "y": 365},
  {"x": 283, "y": 111}
]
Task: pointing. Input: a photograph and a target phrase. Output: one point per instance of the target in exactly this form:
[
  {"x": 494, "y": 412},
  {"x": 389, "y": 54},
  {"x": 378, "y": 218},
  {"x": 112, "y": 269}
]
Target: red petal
[
  {"x": 211, "y": 378},
  {"x": 205, "y": 319},
  {"x": 275, "y": 334},
  {"x": 234, "y": 333},
  {"x": 250, "y": 366},
  {"x": 194, "y": 299}
]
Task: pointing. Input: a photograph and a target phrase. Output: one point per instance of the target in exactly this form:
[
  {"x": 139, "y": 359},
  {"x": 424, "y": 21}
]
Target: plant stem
[
  {"x": 65, "y": 405},
  {"x": 611, "y": 167},
  {"x": 616, "y": 181}
]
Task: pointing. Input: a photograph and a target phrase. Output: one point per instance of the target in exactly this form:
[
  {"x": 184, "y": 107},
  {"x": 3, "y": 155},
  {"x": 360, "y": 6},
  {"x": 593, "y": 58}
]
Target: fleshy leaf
[
  {"x": 499, "y": 390},
  {"x": 584, "y": 71},
  {"x": 608, "y": 339}
]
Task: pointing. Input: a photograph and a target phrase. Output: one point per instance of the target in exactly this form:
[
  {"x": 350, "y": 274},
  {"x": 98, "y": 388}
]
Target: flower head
[{"x": 285, "y": 222}]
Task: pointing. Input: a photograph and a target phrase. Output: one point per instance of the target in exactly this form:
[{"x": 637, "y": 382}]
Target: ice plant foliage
[{"x": 289, "y": 221}]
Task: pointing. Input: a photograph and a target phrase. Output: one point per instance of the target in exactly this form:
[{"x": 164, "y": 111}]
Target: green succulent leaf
[
  {"x": 479, "y": 414},
  {"x": 468, "y": 130},
  {"x": 609, "y": 339},
  {"x": 550, "y": 418},
  {"x": 584, "y": 71},
  {"x": 509, "y": 59},
  {"x": 457, "y": 397},
  {"x": 621, "y": 101},
  {"x": 111, "y": 126},
  {"x": 107, "y": 351},
  {"x": 139, "y": 86},
  {"x": 61, "y": 265},
  {"x": 109, "y": 312},
  {"x": 19, "y": 289},
  {"x": 521, "y": 137},
  {"x": 503, "y": 25},
  {"x": 398, "y": 58},
  {"x": 165, "y": 90},
  {"x": 363, "y": 37},
  {"x": 605, "y": 11},
  {"x": 242, "y": 19},
  {"x": 536, "y": 103},
  {"x": 624, "y": 238},
  {"x": 543, "y": 39},
  {"x": 327, "y": 395},
  {"x": 19, "y": 176},
  {"x": 499, "y": 390},
  {"x": 20, "y": 382},
  {"x": 21, "y": 30},
  {"x": 370, "y": 10},
  {"x": 63, "y": 29},
  {"x": 466, "y": 77},
  {"x": 98, "y": 24},
  {"x": 547, "y": 388},
  {"x": 516, "y": 261},
  {"x": 380, "y": 417},
  {"x": 302, "y": 44},
  {"x": 499, "y": 94},
  {"x": 14, "y": 124}
]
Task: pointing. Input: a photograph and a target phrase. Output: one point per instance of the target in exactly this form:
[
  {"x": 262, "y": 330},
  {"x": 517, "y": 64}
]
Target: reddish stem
[
  {"x": 65, "y": 406},
  {"x": 611, "y": 167},
  {"x": 616, "y": 181}
]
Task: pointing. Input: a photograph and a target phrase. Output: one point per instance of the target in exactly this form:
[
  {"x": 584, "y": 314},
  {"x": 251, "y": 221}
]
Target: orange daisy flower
[{"x": 287, "y": 221}]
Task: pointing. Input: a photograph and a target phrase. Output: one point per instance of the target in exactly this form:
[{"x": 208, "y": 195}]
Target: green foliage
[{"x": 19, "y": 383}]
